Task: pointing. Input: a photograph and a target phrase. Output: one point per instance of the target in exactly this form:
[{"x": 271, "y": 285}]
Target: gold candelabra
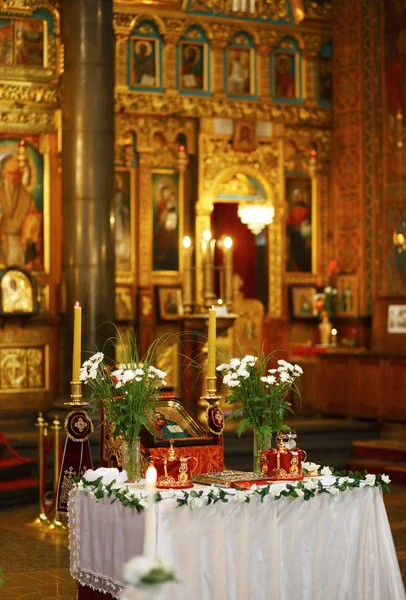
[
  {"x": 76, "y": 395},
  {"x": 56, "y": 524},
  {"x": 211, "y": 398}
]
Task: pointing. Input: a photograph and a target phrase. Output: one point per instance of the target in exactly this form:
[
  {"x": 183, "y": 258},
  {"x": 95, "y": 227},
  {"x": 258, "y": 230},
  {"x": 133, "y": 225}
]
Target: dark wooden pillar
[{"x": 88, "y": 166}]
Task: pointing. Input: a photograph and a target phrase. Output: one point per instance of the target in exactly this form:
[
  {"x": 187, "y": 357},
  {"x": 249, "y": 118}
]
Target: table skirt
[{"x": 332, "y": 547}]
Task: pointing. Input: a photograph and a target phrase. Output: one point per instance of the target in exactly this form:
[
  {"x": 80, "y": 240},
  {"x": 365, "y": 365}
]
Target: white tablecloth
[{"x": 330, "y": 548}]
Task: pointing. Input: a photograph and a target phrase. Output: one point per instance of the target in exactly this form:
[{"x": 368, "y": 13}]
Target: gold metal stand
[
  {"x": 42, "y": 519},
  {"x": 76, "y": 395},
  {"x": 56, "y": 524},
  {"x": 210, "y": 399}
]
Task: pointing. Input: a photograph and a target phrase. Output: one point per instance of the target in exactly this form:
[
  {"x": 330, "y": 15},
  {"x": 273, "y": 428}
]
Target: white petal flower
[
  {"x": 194, "y": 502},
  {"x": 138, "y": 378},
  {"x": 137, "y": 568},
  {"x": 128, "y": 375},
  {"x": 87, "y": 363},
  {"x": 298, "y": 369},
  {"x": 370, "y": 479},
  {"x": 139, "y": 372},
  {"x": 249, "y": 360},
  {"x": 299, "y": 492},
  {"x": 93, "y": 372},
  {"x": 272, "y": 371},
  {"x": 233, "y": 383},
  {"x": 328, "y": 290},
  {"x": 83, "y": 376},
  {"x": 277, "y": 488},
  {"x": 223, "y": 367},
  {"x": 326, "y": 471},
  {"x": 118, "y": 373},
  {"x": 284, "y": 377},
  {"x": 334, "y": 491},
  {"x": 385, "y": 478},
  {"x": 310, "y": 467},
  {"x": 310, "y": 485},
  {"x": 81, "y": 485},
  {"x": 239, "y": 497},
  {"x": 243, "y": 373},
  {"x": 144, "y": 502},
  {"x": 270, "y": 380},
  {"x": 118, "y": 384},
  {"x": 235, "y": 363},
  {"x": 93, "y": 496}
]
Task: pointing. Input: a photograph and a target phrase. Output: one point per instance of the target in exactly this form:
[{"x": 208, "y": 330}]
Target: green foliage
[{"x": 261, "y": 398}]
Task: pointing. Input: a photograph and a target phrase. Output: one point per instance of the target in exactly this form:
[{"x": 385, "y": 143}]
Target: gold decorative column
[
  {"x": 171, "y": 38},
  {"x": 145, "y": 212},
  {"x": 221, "y": 35}
]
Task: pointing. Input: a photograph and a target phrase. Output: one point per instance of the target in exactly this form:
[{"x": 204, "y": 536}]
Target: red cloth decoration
[
  {"x": 209, "y": 458},
  {"x": 76, "y": 455},
  {"x": 282, "y": 464},
  {"x": 174, "y": 471}
]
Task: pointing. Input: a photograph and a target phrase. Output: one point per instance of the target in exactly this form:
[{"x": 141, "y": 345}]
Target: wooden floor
[{"x": 36, "y": 564}]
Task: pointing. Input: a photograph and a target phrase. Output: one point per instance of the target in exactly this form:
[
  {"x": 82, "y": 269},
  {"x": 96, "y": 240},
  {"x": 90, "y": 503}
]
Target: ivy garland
[{"x": 197, "y": 498}]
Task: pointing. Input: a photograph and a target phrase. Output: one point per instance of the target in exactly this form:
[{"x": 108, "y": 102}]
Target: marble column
[{"x": 88, "y": 259}]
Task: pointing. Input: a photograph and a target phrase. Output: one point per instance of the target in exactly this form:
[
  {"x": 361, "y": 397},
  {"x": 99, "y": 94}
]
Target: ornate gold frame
[
  {"x": 44, "y": 149},
  {"x": 315, "y": 275},
  {"x": 226, "y": 164},
  {"x": 205, "y": 46},
  {"x": 130, "y": 276}
]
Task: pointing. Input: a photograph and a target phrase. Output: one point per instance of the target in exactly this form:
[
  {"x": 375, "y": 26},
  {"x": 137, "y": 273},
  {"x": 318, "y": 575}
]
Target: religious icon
[
  {"x": 397, "y": 318},
  {"x": 123, "y": 304},
  {"x": 170, "y": 302},
  {"x": 239, "y": 71},
  {"x": 165, "y": 191},
  {"x": 144, "y": 67},
  {"x": 18, "y": 293},
  {"x": 167, "y": 429},
  {"x": 29, "y": 42},
  {"x": 285, "y": 75},
  {"x": 302, "y": 301},
  {"x": 6, "y": 42},
  {"x": 122, "y": 210},
  {"x": 244, "y": 136},
  {"x": 347, "y": 296},
  {"x": 325, "y": 79},
  {"x": 192, "y": 75},
  {"x": 21, "y": 204},
  {"x": 299, "y": 224}
]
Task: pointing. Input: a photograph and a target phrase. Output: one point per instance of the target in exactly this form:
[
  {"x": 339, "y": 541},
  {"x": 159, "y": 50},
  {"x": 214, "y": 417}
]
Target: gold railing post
[
  {"x": 42, "y": 519},
  {"x": 56, "y": 524}
]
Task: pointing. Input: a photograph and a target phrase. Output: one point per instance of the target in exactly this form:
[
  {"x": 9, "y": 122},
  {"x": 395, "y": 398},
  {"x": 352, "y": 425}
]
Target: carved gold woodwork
[
  {"x": 23, "y": 369},
  {"x": 218, "y": 163}
]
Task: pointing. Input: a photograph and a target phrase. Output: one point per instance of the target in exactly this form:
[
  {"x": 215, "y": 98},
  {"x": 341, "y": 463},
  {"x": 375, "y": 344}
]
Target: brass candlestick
[
  {"x": 210, "y": 399},
  {"x": 76, "y": 395}
]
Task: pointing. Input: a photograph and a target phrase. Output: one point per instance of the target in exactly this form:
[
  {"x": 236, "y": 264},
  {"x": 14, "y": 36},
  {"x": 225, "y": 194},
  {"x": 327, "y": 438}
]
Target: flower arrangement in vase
[
  {"x": 128, "y": 392},
  {"x": 261, "y": 396}
]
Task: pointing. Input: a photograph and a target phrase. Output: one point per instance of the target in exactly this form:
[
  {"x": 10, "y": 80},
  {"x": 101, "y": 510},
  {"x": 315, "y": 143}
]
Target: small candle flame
[
  {"x": 228, "y": 242},
  {"x": 219, "y": 302},
  {"x": 187, "y": 242},
  {"x": 207, "y": 235},
  {"x": 77, "y": 304},
  {"x": 334, "y": 332},
  {"x": 151, "y": 475}
]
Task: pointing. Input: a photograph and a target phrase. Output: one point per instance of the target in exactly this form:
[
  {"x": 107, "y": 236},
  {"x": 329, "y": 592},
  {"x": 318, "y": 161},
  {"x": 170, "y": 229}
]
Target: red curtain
[{"x": 225, "y": 221}]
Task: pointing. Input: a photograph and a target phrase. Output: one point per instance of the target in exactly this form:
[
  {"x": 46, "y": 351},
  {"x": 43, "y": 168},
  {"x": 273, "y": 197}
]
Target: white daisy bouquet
[
  {"x": 129, "y": 390},
  {"x": 259, "y": 392}
]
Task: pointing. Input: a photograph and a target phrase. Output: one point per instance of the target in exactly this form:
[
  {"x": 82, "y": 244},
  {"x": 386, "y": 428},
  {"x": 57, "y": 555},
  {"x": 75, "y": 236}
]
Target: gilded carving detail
[
  {"x": 23, "y": 93},
  {"x": 22, "y": 368},
  {"x": 20, "y": 121},
  {"x": 273, "y": 10},
  {"x": 298, "y": 144},
  {"x": 315, "y": 10},
  {"x": 211, "y": 107},
  {"x": 122, "y": 20}
]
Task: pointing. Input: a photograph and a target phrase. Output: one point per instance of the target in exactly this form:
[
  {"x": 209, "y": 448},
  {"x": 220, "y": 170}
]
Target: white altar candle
[{"x": 150, "y": 519}]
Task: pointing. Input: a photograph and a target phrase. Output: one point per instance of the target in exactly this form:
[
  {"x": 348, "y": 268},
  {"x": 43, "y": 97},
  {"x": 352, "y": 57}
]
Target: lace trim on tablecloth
[{"x": 96, "y": 582}]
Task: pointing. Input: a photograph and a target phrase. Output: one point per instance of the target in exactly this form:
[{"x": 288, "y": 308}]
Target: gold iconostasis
[{"x": 218, "y": 106}]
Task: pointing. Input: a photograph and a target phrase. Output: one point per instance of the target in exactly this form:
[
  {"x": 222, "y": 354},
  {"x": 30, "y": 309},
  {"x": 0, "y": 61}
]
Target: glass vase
[
  {"x": 132, "y": 458},
  {"x": 261, "y": 442}
]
